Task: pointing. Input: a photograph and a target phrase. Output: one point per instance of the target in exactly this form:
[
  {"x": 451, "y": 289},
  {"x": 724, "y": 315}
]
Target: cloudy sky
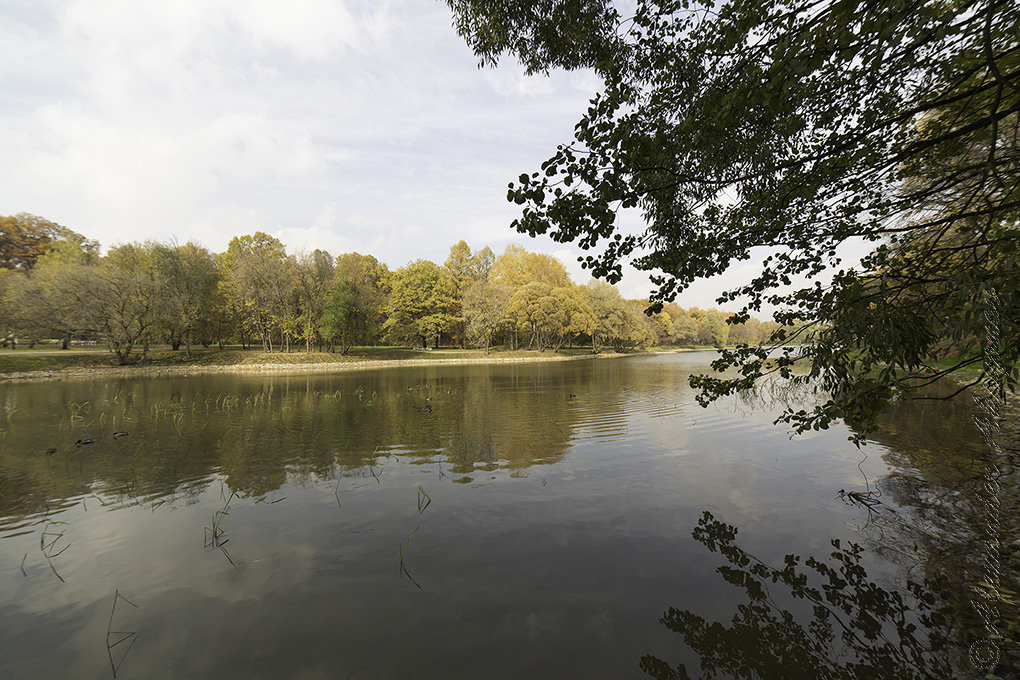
[{"x": 356, "y": 125}]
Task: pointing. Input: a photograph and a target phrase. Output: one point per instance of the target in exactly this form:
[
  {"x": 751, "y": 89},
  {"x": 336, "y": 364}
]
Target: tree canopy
[
  {"x": 255, "y": 279},
  {"x": 140, "y": 294},
  {"x": 354, "y": 310},
  {"x": 24, "y": 238},
  {"x": 421, "y": 302},
  {"x": 781, "y": 131}
]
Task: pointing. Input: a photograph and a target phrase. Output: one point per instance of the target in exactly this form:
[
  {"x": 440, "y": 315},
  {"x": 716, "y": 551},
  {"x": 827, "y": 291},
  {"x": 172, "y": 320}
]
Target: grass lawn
[{"x": 965, "y": 374}]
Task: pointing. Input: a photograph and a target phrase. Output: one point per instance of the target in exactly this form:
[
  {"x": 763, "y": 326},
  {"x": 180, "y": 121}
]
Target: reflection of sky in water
[{"x": 569, "y": 527}]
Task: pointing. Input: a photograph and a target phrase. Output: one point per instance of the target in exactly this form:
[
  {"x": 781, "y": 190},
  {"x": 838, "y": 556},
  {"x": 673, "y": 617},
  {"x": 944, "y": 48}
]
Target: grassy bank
[
  {"x": 688, "y": 348},
  {"x": 46, "y": 362},
  {"x": 965, "y": 374}
]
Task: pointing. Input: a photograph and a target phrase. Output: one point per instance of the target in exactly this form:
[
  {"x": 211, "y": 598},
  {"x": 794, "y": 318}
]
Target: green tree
[
  {"x": 616, "y": 323},
  {"x": 43, "y": 304},
  {"x": 188, "y": 278},
  {"x": 465, "y": 268},
  {"x": 573, "y": 316},
  {"x": 71, "y": 248},
  {"x": 717, "y": 331},
  {"x": 485, "y": 310},
  {"x": 222, "y": 321},
  {"x": 461, "y": 265},
  {"x": 257, "y": 281},
  {"x": 609, "y": 310},
  {"x": 517, "y": 267},
  {"x": 685, "y": 327},
  {"x": 24, "y": 238},
  {"x": 120, "y": 296},
  {"x": 339, "y": 320},
  {"x": 780, "y": 131},
  {"x": 9, "y": 280},
  {"x": 748, "y": 332},
  {"x": 42, "y": 301},
  {"x": 313, "y": 274},
  {"x": 39, "y": 303},
  {"x": 371, "y": 282},
  {"x": 529, "y": 310},
  {"x": 421, "y": 303},
  {"x": 662, "y": 325},
  {"x": 551, "y": 314},
  {"x": 484, "y": 261}
]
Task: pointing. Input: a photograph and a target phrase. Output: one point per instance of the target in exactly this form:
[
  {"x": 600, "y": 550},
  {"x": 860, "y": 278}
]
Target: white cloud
[
  {"x": 326, "y": 218},
  {"x": 310, "y": 29},
  {"x": 359, "y": 125}
]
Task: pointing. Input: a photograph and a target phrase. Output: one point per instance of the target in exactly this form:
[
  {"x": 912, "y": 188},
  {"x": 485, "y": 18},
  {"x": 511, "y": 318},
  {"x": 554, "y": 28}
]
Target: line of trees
[{"x": 255, "y": 293}]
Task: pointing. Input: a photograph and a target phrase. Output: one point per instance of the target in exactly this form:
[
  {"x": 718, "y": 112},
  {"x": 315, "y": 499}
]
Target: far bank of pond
[{"x": 36, "y": 365}]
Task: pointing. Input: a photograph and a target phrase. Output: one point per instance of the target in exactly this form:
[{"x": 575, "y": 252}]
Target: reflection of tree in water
[
  {"x": 934, "y": 515},
  {"x": 510, "y": 424},
  {"x": 930, "y": 517},
  {"x": 812, "y": 619},
  {"x": 946, "y": 524},
  {"x": 827, "y": 619},
  {"x": 155, "y": 459},
  {"x": 182, "y": 435}
]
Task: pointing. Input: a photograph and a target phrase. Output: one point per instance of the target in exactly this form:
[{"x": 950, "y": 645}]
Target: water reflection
[
  {"x": 947, "y": 520},
  {"x": 928, "y": 513},
  {"x": 379, "y": 524},
  {"x": 119, "y": 642},
  {"x": 812, "y": 618},
  {"x": 176, "y": 435}
]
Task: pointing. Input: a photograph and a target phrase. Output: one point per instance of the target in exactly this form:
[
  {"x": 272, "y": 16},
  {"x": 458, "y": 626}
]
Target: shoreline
[{"x": 104, "y": 372}]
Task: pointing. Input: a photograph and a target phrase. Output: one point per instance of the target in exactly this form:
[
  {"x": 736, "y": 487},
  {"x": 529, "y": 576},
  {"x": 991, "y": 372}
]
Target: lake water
[{"x": 505, "y": 520}]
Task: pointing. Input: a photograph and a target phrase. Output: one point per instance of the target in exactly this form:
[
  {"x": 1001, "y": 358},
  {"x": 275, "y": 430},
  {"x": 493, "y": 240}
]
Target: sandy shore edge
[{"x": 102, "y": 372}]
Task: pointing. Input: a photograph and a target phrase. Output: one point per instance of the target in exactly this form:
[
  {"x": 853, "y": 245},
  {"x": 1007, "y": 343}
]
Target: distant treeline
[{"x": 55, "y": 284}]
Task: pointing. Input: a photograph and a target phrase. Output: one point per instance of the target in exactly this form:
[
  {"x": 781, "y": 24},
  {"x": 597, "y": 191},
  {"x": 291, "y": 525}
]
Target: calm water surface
[{"x": 513, "y": 520}]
